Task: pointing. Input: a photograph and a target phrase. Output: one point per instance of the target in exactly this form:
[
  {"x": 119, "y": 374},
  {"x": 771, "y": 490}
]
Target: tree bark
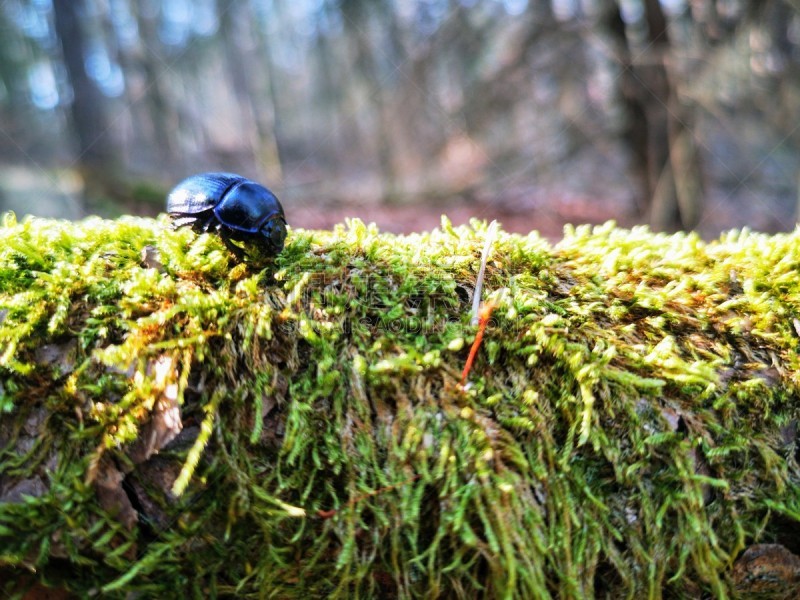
[
  {"x": 658, "y": 132},
  {"x": 95, "y": 146},
  {"x": 635, "y": 130},
  {"x": 251, "y": 86},
  {"x": 674, "y": 170},
  {"x": 355, "y": 14},
  {"x": 163, "y": 120}
]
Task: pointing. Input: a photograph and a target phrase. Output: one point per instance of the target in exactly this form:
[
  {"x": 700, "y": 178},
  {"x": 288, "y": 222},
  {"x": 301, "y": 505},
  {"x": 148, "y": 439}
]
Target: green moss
[{"x": 623, "y": 433}]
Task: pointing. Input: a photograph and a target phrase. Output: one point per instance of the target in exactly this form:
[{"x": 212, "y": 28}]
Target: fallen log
[{"x": 173, "y": 423}]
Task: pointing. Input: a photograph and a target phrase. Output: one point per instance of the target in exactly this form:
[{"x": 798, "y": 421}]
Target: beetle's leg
[
  {"x": 183, "y": 222},
  {"x": 230, "y": 245},
  {"x": 210, "y": 223},
  {"x": 204, "y": 223}
]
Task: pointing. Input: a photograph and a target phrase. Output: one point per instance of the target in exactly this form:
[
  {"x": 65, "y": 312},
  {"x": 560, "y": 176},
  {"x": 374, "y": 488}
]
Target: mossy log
[{"x": 175, "y": 424}]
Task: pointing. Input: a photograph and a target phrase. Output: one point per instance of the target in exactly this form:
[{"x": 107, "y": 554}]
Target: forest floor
[
  {"x": 545, "y": 214},
  {"x": 57, "y": 195}
]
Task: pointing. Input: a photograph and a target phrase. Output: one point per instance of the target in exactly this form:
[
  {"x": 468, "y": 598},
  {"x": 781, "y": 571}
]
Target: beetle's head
[{"x": 273, "y": 234}]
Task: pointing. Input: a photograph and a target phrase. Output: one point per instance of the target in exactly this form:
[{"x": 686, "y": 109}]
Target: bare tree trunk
[
  {"x": 163, "y": 119},
  {"x": 630, "y": 92},
  {"x": 266, "y": 106},
  {"x": 779, "y": 23},
  {"x": 330, "y": 97},
  {"x": 665, "y": 159},
  {"x": 673, "y": 159},
  {"x": 96, "y": 151},
  {"x": 250, "y": 76},
  {"x": 355, "y": 17}
]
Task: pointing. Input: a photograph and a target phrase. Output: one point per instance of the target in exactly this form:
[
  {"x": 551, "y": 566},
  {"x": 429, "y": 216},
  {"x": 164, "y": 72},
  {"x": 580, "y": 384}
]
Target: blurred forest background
[{"x": 676, "y": 113}]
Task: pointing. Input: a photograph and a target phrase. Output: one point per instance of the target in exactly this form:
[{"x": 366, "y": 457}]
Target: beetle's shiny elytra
[{"x": 231, "y": 205}]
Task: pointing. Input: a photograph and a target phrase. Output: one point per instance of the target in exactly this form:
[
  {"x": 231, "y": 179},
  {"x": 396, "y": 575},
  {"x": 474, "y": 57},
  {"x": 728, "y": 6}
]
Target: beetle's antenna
[{"x": 491, "y": 234}]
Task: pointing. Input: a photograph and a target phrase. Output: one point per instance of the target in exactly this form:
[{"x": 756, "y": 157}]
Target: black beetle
[{"x": 233, "y": 206}]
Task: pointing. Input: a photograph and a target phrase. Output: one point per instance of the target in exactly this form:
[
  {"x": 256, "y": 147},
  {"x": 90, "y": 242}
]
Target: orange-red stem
[{"x": 483, "y": 320}]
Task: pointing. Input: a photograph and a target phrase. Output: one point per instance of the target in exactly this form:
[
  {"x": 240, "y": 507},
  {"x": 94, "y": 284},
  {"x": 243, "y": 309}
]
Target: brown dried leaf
[
  {"x": 165, "y": 419},
  {"x": 112, "y": 498}
]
